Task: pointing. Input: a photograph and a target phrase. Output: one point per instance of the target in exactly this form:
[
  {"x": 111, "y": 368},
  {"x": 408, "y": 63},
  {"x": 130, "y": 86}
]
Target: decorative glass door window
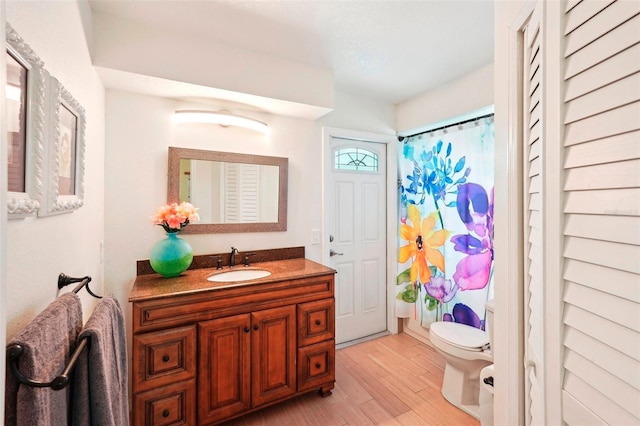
[{"x": 355, "y": 159}]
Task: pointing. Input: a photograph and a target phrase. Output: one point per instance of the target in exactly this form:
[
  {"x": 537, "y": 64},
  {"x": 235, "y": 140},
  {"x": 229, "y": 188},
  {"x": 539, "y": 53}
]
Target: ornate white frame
[
  {"x": 21, "y": 204},
  {"x": 53, "y": 202}
]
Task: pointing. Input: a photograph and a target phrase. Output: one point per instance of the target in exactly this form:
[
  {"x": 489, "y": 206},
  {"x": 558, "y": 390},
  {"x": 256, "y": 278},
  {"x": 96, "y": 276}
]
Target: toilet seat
[{"x": 461, "y": 335}]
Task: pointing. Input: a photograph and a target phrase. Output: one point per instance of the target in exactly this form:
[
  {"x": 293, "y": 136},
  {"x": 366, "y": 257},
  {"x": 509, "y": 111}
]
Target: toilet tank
[{"x": 489, "y": 321}]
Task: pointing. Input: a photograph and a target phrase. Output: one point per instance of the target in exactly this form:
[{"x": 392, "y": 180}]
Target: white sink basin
[{"x": 239, "y": 275}]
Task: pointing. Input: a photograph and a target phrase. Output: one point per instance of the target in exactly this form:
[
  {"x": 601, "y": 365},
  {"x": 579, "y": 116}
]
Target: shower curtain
[{"x": 445, "y": 244}]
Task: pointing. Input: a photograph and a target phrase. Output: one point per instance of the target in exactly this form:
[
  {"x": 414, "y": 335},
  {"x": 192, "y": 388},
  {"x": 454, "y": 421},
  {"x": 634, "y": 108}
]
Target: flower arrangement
[{"x": 173, "y": 217}]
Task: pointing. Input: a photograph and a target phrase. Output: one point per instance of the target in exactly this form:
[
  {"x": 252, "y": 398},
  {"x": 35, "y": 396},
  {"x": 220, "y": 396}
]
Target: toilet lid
[{"x": 461, "y": 335}]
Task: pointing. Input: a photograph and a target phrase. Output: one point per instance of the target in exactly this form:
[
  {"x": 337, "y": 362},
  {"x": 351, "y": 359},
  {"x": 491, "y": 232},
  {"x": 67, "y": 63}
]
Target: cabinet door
[
  {"x": 224, "y": 368},
  {"x": 273, "y": 354}
]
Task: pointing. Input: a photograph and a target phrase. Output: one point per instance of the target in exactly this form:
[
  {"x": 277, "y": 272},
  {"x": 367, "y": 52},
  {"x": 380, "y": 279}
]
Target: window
[{"x": 356, "y": 159}]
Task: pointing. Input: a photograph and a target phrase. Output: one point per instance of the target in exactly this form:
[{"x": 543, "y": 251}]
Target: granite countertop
[{"x": 154, "y": 286}]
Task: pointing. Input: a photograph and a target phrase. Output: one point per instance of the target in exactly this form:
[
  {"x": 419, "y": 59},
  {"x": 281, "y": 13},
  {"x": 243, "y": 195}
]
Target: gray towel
[
  {"x": 48, "y": 342},
  {"x": 100, "y": 381}
]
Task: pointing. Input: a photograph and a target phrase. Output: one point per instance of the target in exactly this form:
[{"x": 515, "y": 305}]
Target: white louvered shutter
[
  {"x": 250, "y": 198},
  {"x": 532, "y": 208},
  {"x": 231, "y": 188},
  {"x": 242, "y": 198},
  {"x": 601, "y": 333}
]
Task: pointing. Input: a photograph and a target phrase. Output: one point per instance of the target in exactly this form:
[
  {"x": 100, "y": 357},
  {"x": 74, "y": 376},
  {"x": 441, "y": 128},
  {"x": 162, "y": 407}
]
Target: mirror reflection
[
  {"x": 230, "y": 192},
  {"x": 16, "y": 123},
  {"x": 233, "y": 192}
]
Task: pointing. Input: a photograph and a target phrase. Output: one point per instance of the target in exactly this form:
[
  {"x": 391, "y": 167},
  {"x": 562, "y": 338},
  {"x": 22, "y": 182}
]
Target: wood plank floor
[{"x": 392, "y": 380}]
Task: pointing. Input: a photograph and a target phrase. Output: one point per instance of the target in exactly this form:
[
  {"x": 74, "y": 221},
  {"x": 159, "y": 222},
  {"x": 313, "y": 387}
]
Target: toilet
[{"x": 466, "y": 351}]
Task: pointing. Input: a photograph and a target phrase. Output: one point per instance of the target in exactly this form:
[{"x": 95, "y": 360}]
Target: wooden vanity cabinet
[{"x": 210, "y": 356}]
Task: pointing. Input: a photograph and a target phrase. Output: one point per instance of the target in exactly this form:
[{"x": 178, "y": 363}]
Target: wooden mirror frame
[{"x": 173, "y": 188}]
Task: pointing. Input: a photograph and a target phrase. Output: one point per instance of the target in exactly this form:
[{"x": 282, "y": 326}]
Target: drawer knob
[
  {"x": 318, "y": 322},
  {"x": 318, "y": 365},
  {"x": 165, "y": 358},
  {"x": 255, "y": 327},
  {"x": 165, "y": 413},
  {"x": 247, "y": 329}
]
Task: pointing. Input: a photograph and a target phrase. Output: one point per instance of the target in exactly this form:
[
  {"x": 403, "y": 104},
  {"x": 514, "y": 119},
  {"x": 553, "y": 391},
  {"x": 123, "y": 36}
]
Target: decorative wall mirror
[
  {"x": 25, "y": 96},
  {"x": 233, "y": 192},
  {"x": 65, "y": 154}
]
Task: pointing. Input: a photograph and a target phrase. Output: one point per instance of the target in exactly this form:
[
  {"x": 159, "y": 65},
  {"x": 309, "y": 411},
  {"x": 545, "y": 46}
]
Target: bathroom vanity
[{"x": 205, "y": 352}]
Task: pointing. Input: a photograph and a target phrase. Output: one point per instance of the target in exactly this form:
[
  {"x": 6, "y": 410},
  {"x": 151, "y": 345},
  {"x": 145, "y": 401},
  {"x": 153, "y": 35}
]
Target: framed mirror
[
  {"x": 64, "y": 189},
  {"x": 233, "y": 192},
  {"x": 25, "y": 117}
]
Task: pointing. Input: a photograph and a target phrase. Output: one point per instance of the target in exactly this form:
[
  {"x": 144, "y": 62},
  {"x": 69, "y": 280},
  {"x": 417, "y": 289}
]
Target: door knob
[{"x": 332, "y": 252}]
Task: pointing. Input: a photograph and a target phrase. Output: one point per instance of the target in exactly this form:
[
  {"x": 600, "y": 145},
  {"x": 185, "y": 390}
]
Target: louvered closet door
[
  {"x": 602, "y": 213},
  {"x": 532, "y": 179}
]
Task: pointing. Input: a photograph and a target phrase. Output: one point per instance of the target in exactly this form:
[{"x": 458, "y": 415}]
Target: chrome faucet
[{"x": 232, "y": 257}]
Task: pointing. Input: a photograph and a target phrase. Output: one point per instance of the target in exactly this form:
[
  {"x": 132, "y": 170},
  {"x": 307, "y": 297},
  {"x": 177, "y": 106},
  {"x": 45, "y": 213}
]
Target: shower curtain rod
[{"x": 401, "y": 138}]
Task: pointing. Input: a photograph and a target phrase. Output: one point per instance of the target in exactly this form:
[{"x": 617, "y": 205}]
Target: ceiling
[{"x": 389, "y": 50}]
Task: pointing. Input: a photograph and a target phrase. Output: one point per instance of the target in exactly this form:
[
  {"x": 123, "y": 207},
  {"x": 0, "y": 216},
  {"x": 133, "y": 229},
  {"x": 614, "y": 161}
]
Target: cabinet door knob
[
  {"x": 165, "y": 413},
  {"x": 247, "y": 329},
  {"x": 165, "y": 358},
  {"x": 255, "y": 327},
  {"x": 318, "y": 322},
  {"x": 318, "y": 365}
]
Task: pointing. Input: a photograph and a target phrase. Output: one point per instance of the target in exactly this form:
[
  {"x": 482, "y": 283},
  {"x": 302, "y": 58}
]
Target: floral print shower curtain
[{"x": 445, "y": 254}]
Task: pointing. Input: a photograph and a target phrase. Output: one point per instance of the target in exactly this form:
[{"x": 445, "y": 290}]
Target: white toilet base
[
  {"x": 462, "y": 390},
  {"x": 472, "y": 410}
]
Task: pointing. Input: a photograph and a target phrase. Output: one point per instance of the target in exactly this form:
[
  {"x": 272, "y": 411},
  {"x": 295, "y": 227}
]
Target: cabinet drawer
[
  {"x": 316, "y": 321},
  {"x": 164, "y": 357},
  {"x": 170, "y": 405},
  {"x": 316, "y": 365}
]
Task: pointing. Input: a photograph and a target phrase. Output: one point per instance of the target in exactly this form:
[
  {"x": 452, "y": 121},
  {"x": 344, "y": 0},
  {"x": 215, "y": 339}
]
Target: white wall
[
  {"x": 38, "y": 249},
  {"x": 357, "y": 113},
  {"x": 139, "y": 131},
  {"x": 470, "y": 92}
]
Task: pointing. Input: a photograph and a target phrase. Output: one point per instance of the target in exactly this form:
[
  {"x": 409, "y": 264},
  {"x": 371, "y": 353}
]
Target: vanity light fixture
[{"x": 221, "y": 118}]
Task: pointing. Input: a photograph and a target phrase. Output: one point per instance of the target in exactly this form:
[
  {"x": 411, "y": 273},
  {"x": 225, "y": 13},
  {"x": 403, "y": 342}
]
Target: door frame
[
  {"x": 391, "y": 202},
  {"x": 508, "y": 354}
]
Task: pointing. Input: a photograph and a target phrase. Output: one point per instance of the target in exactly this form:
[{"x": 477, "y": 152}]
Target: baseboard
[{"x": 361, "y": 340}]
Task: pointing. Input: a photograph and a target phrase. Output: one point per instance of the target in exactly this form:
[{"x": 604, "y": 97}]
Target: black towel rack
[
  {"x": 64, "y": 280},
  {"x": 14, "y": 351}
]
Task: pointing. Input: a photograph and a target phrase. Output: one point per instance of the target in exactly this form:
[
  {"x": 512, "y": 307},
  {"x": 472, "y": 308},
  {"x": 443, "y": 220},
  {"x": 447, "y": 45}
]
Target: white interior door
[{"x": 355, "y": 194}]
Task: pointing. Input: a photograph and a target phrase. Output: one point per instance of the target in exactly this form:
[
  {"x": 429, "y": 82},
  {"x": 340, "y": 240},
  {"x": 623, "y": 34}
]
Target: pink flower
[
  {"x": 473, "y": 272},
  {"x": 173, "y": 217}
]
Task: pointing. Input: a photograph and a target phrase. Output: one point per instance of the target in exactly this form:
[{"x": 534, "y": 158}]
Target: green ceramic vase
[{"x": 172, "y": 256}]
